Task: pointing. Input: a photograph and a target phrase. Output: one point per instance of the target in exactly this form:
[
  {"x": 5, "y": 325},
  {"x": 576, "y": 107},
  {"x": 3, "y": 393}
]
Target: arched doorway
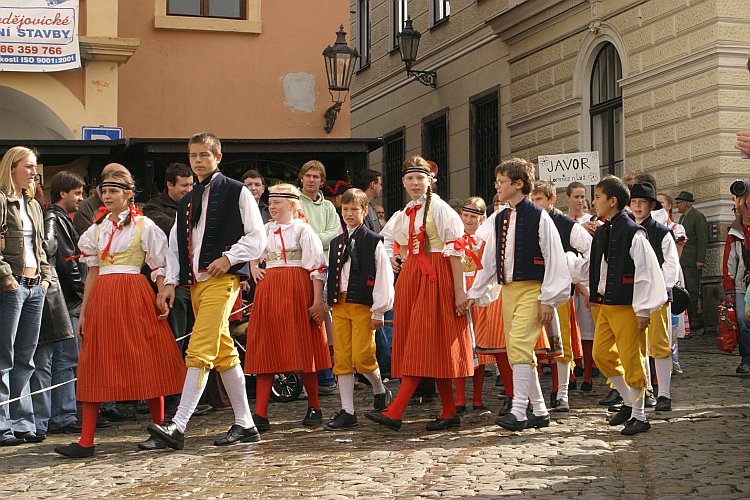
[{"x": 23, "y": 117}]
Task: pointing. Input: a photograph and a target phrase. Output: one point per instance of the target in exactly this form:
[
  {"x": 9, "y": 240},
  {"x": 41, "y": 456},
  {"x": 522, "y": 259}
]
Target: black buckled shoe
[
  {"x": 169, "y": 433},
  {"x": 510, "y": 422},
  {"x": 378, "y": 417},
  {"x": 663, "y": 403},
  {"x": 621, "y": 416},
  {"x": 612, "y": 398},
  {"x": 381, "y": 401},
  {"x": 635, "y": 426},
  {"x": 152, "y": 444},
  {"x": 537, "y": 421},
  {"x": 74, "y": 450},
  {"x": 238, "y": 434},
  {"x": 261, "y": 423},
  {"x": 314, "y": 417},
  {"x": 341, "y": 420},
  {"x": 443, "y": 423},
  {"x": 507, "y": 406}
]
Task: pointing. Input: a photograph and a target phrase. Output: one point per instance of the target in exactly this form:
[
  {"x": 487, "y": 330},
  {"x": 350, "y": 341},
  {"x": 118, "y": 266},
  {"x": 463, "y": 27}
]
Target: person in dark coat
[
  {"x": 693, "y": 256},
  {"x": 257, "y": 186},
  {"x": 370, "y": 181},
  {"x": 56, "y": 355}
]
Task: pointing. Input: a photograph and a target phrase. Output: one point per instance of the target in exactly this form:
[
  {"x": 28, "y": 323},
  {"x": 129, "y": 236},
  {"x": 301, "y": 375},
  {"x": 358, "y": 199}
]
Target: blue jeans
[
  {"x": 325, "y": 377},
  {"x": 55, "y": 363},
  {"x": 743, "y": 326},
  {"x": 383, "y": 343},
  {"x": 20, "y": 317}
]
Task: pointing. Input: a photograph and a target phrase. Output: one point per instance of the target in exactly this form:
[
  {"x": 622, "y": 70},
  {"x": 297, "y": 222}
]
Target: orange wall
[{"x": 181, "y": 82}]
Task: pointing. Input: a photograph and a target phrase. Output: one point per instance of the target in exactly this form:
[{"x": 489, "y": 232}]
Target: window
[
  {"x": 393, "y": 159},
  {"x": 441, "y": 9},
  {"x": 363, "y": 35},
  {"x": 399, "y": 13},
  {"x": 485, "y": 144},
  {"x": 606, "y": 111},
  {"x": 231, "y": 9},
  {"x": 435, "y": 148},
  {"x": 234, "y": 16}
]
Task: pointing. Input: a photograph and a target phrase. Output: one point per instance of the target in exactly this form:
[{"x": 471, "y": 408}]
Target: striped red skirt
[
  {"x": 429, "y": 339},
  {"x": 127, "y": 353},
  {"x": 281, "y": 337},
  {"x": 483, "y": 331}
]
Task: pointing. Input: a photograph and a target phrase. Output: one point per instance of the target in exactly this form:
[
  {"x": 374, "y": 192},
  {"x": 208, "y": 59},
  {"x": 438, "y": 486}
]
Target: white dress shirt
[
  {"x": 383, "y": 292},
  {"x": 556, "y": 283},
  {"x": 248, "y": 247}
]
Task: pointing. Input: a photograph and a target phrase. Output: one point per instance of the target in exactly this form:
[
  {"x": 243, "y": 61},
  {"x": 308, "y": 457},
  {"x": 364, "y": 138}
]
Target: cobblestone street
[{"x": 700, "y": 448}]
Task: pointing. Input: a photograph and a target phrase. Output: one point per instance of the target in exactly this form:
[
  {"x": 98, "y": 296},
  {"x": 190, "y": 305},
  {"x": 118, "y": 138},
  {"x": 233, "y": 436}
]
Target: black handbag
[{"x": 680, "y": 299}]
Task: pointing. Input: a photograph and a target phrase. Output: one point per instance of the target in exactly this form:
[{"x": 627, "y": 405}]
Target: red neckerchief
[
  {"x": 117, "y": 227},
  {"x": 283, "y": 247}
]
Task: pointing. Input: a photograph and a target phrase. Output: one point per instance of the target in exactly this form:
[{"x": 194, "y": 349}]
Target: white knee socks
[
  {"x": 346, "y": 391},
  {"x": 376, "y": 381},
  {"x": 618, "y": 382},
  {"x": 638, "y": 398},
  {"x": 664, "y": 375},
  {"x": 563, "y": 377},
  {"x": 521, "y": 380},
  {"x": 234, "y": 383},
  {"x": 536, "y": 396},
  {"x": 192, "y": 391}
]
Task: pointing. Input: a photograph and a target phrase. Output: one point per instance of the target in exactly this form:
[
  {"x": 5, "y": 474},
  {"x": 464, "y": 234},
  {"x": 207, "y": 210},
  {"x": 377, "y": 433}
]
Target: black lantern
[
  {"x": 408, "y": 44},
  {"x": 340, "y": 61}
]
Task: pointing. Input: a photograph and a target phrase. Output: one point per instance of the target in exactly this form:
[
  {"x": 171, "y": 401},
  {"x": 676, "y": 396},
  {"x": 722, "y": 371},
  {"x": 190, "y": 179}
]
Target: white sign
[
  {"x": 564, "y": 169},
  {"x": 39, "y": 35}
]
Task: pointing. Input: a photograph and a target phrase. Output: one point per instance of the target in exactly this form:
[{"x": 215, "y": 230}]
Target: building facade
[{"x": 659, "y": 86}]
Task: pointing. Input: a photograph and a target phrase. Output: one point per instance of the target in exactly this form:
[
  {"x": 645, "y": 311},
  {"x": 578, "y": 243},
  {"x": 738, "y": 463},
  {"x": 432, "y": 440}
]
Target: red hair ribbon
[
  {"x": 283, "y": 247},
  {"x": 301, "y": 215}
]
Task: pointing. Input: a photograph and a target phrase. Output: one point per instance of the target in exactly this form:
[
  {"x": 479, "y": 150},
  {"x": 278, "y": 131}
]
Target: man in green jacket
[
  {"x": 322, "y": 216},
  {"x": 693, "y": 256}
]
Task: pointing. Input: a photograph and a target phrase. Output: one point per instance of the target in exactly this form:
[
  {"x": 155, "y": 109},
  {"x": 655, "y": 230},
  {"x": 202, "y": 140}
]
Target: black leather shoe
[
  {"x": 169, "y": 433},
  {"x": 10, "y": 441},
  {"x": 478, "y": 408},
  {"x": 507, "y": 406},
  {"x": 74, "y": 450},
  {"x": 261, "y": 423},
  {"x": 71, "y": 428},
  {"x": 635, "y": 426},
  {"x": 237, "y": 434},
  {"x": 552, "y": 399},
  {"x": 381, "y": 401},
  {"x": 586, "y": 387},
  {"x": 152, "y": 443},
  {"x": 314, "y": 417},
  {"x": 663, "y": 403},
  {"x": 33, "y": 437},
  {"x": 341, "y": 420},
  {"x": 612, "y": 398},
  {"x": 511, "y": 423},
  {"x": 461, "y": 409},
  {"x": 649, "y": 401},
  {"x": 115, "y": 415},
  {"x": 443, "y": 423},
  {"x": 378, "y": 417},
  {"x": 537, "y": 422},
  {"x": 621, "y": 416}
]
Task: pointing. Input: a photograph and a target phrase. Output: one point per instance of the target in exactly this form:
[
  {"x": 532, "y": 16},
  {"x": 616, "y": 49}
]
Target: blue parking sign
[{"x": 101, "y": 133}]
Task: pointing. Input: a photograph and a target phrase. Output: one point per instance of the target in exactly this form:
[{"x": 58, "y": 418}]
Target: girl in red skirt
[
  {"x": 430, "y": 331},
  {"x": 127, "y": 353},
  {"x": 285, "y": 332}
]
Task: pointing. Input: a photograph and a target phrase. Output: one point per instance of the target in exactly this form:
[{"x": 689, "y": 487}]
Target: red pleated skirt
[
  {"x": 127, "y": 353},
  {"x": 281, "y": 337},
  {"x": 429, "y": 339}
]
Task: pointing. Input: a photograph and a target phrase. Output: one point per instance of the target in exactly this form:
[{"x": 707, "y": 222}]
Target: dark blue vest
[
  {"x": 528, "y": 261},
  {"x": 223, "y": 227},
  {"x": 564, "y": 225},
  {"x": 656, "y": 231},
  {"x": 362, "y": 276},
  {"x": 613, "y": 241}
]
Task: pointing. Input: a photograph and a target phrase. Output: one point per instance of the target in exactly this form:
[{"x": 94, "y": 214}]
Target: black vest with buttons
[
  {"x": 528, "y": 261},
  {"x": 224, "y": 228},
  {"x": 564, "y": 225},
  {"x": 362, "y": 278},
  {"x": 656, "y": 231},
  {"x": 620, "y": 232}
]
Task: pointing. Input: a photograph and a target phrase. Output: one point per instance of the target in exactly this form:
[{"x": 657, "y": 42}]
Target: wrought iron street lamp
[
  {"x": 408, "y": 44},
  {"x": 340, "y": 62}
]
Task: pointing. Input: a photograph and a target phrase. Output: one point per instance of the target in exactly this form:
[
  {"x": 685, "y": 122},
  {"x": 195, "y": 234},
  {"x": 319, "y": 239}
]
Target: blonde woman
[{"x": 24, "y": 279}]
